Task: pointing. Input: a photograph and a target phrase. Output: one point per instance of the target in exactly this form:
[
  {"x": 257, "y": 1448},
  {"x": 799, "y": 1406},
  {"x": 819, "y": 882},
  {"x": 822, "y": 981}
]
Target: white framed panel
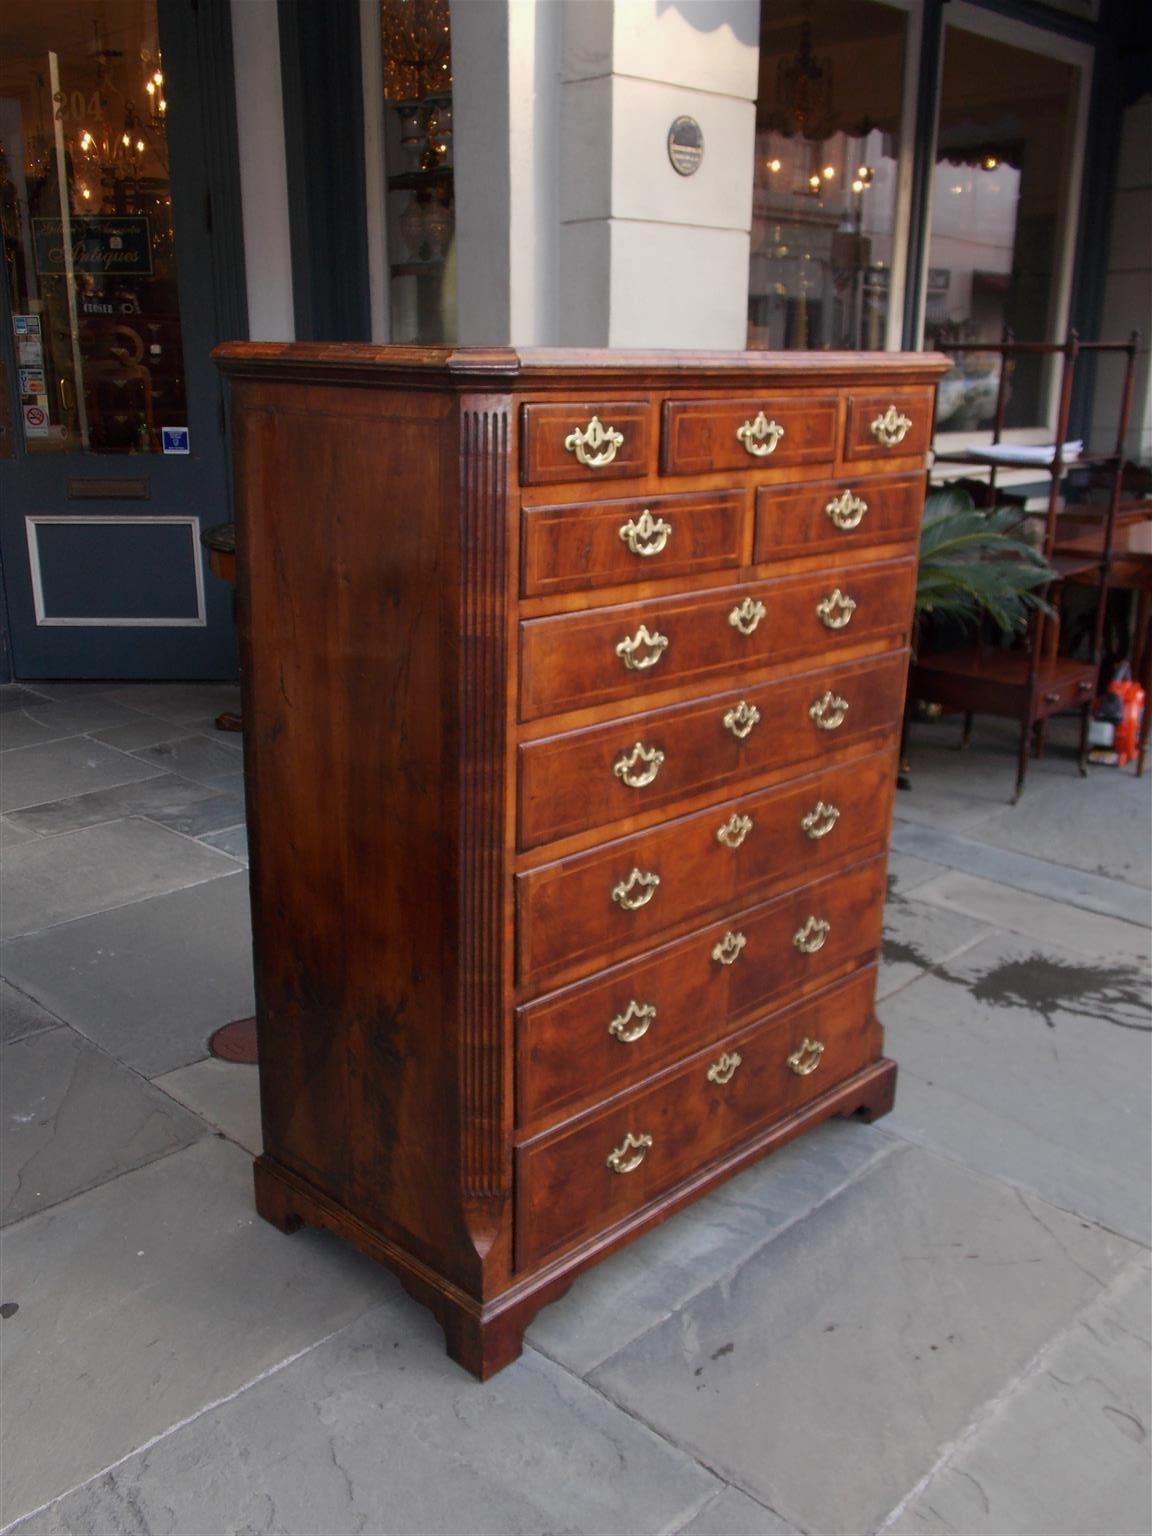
[{"x": 35, "y": 521}]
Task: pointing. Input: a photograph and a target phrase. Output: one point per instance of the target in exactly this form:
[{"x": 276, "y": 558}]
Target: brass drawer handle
[
  {"x": 819, "y": 821},
  {"x": 643, "y": 1013},
  {"x": 827, "y": 714},
  {"x": 596, "y": 445},
  {"x": 734, "y": 830},
  {"x": 891, "y": 428},
  {"x": 728, "y": 951},
  {"x": 835, "y": 611},
  {"x": 741, "y": 719},
  {"x": 812, "y": 936},
  {"x": 625, "y": 766},
  {"x": 627, "y": 649},
  {"x": 724, "y": 1070},
  {"x": 846, "y": 510},
  {"x": 623, "y": 892},
  {"x": 805, "y": 1060},
  {"x": 746, "y": 616},
  {"x": 630, "y": 1153},
  {"x": 760, "y": 435},
  {"x": 647, "y": 535}
]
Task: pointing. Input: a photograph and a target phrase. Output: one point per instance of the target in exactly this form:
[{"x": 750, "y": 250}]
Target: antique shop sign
[{"x": 102, "y": 245}]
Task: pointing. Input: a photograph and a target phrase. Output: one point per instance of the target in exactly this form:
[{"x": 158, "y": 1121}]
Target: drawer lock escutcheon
[
  {"x": 637, "y": 891},
  {"x": 819, "y": 821},
  {"x": 627, "y": 766},
  {"x": 760, "y": 435},
  {"x": 729, "y": 949},
  {"x": 806, "y": 1059},
  {"x": 631, "y": 1152},
  {"x": 628, "y": 649},
  {"x": 835, "y": 611},
  {"x": 724, "y": 1070},
  {"x": 846, "y": 510},
  {"x": 646, "y": 535},
  {"x": 827, "y": 714},
  {"x": 891, "y": 428},
  {"x": 622, "y": 1027},
  {"x": 746, "y": 616},
  {"x": 596, "y": 445},
  {"x": 734, "y": 830},
  {"x": 812, "y": 936},
  {"x": 741, "y": 719}
]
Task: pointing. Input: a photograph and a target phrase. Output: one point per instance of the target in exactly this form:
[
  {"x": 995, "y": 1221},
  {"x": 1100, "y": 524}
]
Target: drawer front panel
[
  {"x": 622, "y": 898},
  {"x": 588, "y": 440},
  {"x": 568, "y": 1184},
  {"x": 832, "y": 515},
  {"x": 606, "y": 773},
  {"x": 894, "y": 425},
  {"x": 605, "y": 1035},
  {"x": 770, "y": 432},
  {"x": 1070, "y": 693},
  {"x": 602, "y": 544},
  {"x": 633, "y": 650}
]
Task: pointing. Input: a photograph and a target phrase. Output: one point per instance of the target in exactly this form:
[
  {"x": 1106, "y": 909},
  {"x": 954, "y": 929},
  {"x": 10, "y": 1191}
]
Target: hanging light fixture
[{"x": 804, "y": 90}]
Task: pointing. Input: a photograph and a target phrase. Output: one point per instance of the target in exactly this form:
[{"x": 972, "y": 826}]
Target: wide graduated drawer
[
  {"x": 606, "y": 773},
  {"x": 603, "y": 1168},
  {"x": 606, "y": 1034},
  {"x": 605, "y": 543},
  {"x": 893, "y": 425},
  {"x": 628, "y": 651},
  {"x": 593, "y": 440},
  {"x": 769, "y": 432},
  {"x": 833, "y": 515},
  {"x": 622, "y": 897}
]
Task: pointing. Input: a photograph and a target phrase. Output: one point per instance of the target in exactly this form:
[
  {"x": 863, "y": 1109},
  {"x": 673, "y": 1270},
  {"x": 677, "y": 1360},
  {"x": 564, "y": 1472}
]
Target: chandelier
[
  {"x": 417, "y": 49},
  {"x": 804, "y": 90}
]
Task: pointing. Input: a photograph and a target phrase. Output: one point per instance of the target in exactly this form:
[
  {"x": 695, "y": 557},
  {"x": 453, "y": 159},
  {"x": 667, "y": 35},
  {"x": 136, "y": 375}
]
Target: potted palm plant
[{"x": 976, "y": 565}]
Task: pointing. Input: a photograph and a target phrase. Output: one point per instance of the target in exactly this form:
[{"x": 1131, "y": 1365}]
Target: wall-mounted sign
[
  {"x": 686, "y": 145},
  {"x": 102, "y": 245}
]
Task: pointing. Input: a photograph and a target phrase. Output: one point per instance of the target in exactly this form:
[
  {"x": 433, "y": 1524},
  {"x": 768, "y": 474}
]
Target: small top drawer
[
  {"x": 894, "y": 425},
  {"x": 836, "y": 514},
  {"x": 766, "y": 432},
  {"x": 606, "y": 543},
  {"x": 589, "y": 440}
]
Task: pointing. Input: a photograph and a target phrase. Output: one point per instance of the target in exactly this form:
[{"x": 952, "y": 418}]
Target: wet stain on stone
[
  {"x": 1110, "y": 993},
  {"x": 900, "y": 952},
  {"x": 9, "y": 1308}
]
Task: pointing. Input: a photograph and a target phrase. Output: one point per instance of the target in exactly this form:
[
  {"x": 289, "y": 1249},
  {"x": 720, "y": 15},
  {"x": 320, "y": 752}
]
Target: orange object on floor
[{"x": 1127, "y": 740}]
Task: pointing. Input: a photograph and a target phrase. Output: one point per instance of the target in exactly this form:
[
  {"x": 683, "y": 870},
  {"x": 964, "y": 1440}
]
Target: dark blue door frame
[{"x": 170, "y": 499}]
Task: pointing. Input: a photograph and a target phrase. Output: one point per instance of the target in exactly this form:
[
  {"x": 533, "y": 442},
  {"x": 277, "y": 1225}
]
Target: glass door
[{"x": 107, "y": 312}]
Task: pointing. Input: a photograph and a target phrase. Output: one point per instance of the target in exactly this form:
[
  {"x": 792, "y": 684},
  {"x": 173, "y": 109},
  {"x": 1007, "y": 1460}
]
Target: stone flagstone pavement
[{"x": 939, "y": 1323}]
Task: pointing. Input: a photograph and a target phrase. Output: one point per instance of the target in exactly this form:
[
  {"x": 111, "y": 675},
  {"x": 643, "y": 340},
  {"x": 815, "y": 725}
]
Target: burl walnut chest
[{"x": 572, "y": 698}]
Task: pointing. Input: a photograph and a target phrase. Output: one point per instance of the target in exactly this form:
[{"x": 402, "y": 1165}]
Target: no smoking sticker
[{"x": 35, "y": 421}]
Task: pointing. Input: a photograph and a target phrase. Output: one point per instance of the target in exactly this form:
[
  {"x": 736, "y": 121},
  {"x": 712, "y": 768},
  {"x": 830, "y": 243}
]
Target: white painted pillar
[
  {"x": 263, "y": 170},
  {"x": 647, "y": 257}
]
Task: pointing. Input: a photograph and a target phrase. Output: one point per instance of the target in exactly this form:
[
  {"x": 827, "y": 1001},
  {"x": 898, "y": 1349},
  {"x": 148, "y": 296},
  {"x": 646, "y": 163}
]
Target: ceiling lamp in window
[
  {"x": 417, "y": 49},
  {"x": 804, "y": 90}
]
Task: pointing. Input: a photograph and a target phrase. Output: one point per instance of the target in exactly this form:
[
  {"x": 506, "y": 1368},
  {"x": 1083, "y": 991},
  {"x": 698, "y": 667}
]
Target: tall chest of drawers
[{"x": 572, "y": 696}]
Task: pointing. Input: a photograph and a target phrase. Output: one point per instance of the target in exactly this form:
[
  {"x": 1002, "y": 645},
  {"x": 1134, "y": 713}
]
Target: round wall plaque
[{"x": 686, "y": 145}]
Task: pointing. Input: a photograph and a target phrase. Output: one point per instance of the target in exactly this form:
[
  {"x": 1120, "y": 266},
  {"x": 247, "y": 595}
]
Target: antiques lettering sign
[{"x": 102, "y": 245}]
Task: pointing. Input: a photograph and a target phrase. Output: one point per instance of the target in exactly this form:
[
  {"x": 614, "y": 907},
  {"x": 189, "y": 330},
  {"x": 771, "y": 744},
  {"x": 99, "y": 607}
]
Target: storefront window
[
  {"x": 999, "y": 213},
  {"x": 86, "y": 209},
  {"x": 824, "y": 199},
  {"x": 417, "y": 49}
]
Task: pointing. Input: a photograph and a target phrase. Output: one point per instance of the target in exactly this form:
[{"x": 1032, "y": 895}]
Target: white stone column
[
  {"x": 263, "y": 170},
  {"x": 647, "y": 257}
]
